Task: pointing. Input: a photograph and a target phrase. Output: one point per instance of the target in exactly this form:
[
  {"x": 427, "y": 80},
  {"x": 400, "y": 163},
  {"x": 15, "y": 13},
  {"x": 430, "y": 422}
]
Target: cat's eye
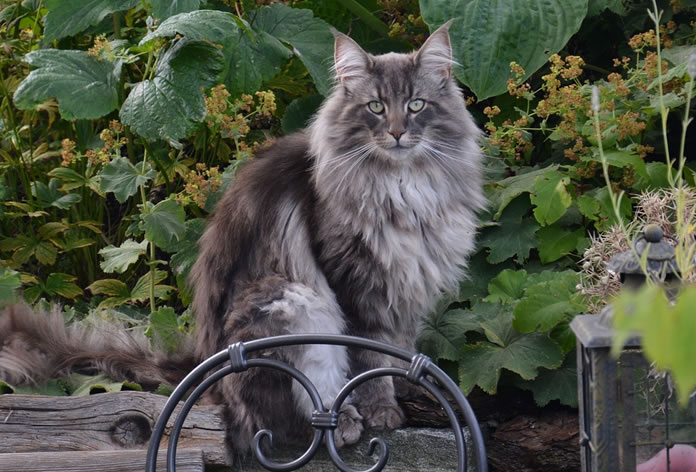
[
  {"x": 376, "y": 107},
  {"x": 416, "y": 105}
]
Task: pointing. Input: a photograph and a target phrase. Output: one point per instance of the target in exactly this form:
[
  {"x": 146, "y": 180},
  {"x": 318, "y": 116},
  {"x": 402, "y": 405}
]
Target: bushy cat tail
[{"x": 36, "y": 346}]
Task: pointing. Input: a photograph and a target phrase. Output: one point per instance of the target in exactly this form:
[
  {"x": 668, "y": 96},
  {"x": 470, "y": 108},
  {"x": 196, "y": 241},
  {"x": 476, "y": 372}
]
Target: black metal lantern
[{"x": 628, "y": 412}]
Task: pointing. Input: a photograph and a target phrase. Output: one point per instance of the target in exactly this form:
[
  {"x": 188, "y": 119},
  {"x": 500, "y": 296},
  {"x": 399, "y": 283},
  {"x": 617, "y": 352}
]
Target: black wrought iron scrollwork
[{"x": 421, "y": 371}]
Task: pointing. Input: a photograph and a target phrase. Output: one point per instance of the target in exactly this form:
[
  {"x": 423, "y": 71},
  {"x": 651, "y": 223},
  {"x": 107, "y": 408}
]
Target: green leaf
[
  {"x": 623, "y": 159},
  {"x": 556, "y": 242},
  {"x": 49, "y": 195},
  {"x": 164, "y": 224},
  {"x": 110, "y": 287},
  {"x": 310, "y": 38},
  {"x": 62, "y": 284},
  {"x": 299, "y": 112},
  {"x": 588, "y": 206},
  {"x": 607, "y": 210},
  {"x": 9, "y": 283},
  {"x": 85, "y": 88},
  {"x": 557, "y": 384},
  {"x": 524, "y": 31},
  {"x": 67, "y": 18},
  {"x": 164, "y": 330},
  {"x": 141, "y": 291},
  {"x": 506, "y": 190},
  {"x": 122, "y": 178},
  {"x": 118, "y": 259},
  {"x": 667, "y": 331},
  {"x": 596, "y": 7},
  {"x": 481, "y": 363},
  {"x": 479, "y": 272},
  {"x": 187, "y": 249},
  {"x": 443, "y": 333},
  {"x": 200, "y": 25},
  {"x": 181, "y": 72},
  {"x": 515, "y": 236},
  {"x": 55, "y": 388},
  {"x": 507, "y": 287},
  {"x": 550, "y": 197},
  {"x": 83, "y": 385},
  {"x": 163, "y": 9},
  {"x": 548, "y": 303}
]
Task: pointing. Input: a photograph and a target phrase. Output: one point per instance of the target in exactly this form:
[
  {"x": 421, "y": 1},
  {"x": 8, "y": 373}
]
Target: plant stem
[
  {"x": 368, "y": 18},
  {"x": 655, "y": 15},
  {"x": 143, "y": 196}
]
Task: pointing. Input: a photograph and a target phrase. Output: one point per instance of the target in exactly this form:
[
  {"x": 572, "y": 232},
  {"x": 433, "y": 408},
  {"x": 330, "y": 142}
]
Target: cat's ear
[
  {"x": 436, "y": 53},
  {"x": 350, "y": 61}
]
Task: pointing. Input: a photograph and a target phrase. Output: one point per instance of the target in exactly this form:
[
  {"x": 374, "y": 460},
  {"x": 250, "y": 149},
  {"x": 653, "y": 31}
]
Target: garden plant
[{"x": 122, "y": 121}]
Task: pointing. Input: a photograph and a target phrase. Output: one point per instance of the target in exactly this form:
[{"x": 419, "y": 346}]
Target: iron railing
[{"x": 422, "y": 371}]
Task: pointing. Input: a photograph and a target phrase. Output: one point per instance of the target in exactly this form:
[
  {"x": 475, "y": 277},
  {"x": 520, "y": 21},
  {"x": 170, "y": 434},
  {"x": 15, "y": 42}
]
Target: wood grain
[
  {"x": 105, "y": 421},
  {"x": 188, "y": 460}
]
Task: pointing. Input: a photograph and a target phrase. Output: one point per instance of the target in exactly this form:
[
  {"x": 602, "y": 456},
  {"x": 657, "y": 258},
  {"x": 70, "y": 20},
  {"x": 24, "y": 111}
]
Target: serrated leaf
[
  {"x": 524, "y": 31},
  {"x": 9, "y": 283},
  {"x": 481, "y": 363},
  {"x": 181, "y": 72},
  {"x": 118, "y": 259},
  {"x": 623, "y": 159},
  {"x": 310, "y": 38},
  {"x": 122, "y": 178},
  {"x": 556, "y": 242},
  {"x": 502, "y": 192},
  {"x": 163, "y": 9},
  {"x": 164, "y": 224},
  {"x": 84, "y": 87},
  {"x": 443, "y": 334},
  {"x": 588, "y": 206},
  {"x": 548, "y": 303},
  {"x": 141, "y": 290},
  {"x": 557, "y": 384},
  {"x": 83, "y": 385},
  {"x": 49, "y": 195},
  {"x": 514, "y": 237},
  {"x": 164, "y": 330},
  {"x": 507, "y": 287},
  {"x": 187, "y": 249},
  {"x": 550, "y": 198},
  {"x": 110, "y": 287},
  {"x": 67, "y": 18},
  {"x": 62, "y": 284},
  {"x": 251, "y": 57},
  {"x": 479, "y": 273}
]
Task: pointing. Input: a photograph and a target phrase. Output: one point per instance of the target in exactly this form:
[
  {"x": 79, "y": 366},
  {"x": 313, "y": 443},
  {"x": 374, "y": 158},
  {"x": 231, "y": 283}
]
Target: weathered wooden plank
[
  {"x": 188, "y": 460},
  {"x": 106, "y": 421}
]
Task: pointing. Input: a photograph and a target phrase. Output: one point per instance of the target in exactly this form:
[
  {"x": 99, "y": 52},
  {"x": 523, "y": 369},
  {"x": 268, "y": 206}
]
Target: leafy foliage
[{"x": 103, "y": 215}]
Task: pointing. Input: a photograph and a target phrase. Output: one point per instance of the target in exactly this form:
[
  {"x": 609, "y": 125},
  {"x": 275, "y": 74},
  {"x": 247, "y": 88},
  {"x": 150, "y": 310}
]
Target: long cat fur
[{"x": 330, "y": 230}]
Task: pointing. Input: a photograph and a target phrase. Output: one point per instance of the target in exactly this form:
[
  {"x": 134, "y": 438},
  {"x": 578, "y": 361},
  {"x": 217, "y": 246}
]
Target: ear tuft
[
  {"x": 350, "y": 61},
  {"x": 436, "y": 52}
]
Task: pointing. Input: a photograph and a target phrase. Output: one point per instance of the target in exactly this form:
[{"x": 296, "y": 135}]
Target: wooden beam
[
  {"x": 187, "y": 460},
  {"x": 105, "y": 421}
]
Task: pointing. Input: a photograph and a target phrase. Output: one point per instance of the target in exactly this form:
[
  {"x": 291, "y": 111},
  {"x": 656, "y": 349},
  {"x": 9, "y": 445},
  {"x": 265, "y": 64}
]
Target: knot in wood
[{"x": 131, "y": 430}]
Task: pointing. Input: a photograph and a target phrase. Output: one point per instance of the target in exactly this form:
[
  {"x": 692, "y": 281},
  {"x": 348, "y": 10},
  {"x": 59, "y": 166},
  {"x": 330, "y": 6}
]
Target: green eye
[
  {"x": 416, "y": 105},
  {"x": 376, "y": 107}
]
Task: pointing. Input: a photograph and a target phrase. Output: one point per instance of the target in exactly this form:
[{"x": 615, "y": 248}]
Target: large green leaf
[
  {"x": 62, "y": 284},
  {"x": 251, "y": 57},
  {"x": 550, "y": 198},
  {"x": 164, "y": 224},
  {"x": 310, "y": 38},
  {"x": 502, "y": 192},
  {"x": 49, "y": 195},
  {"x": 557, "y": 384},
  {"x": 443, "y": 333},
  {"x": 487, "y": 35},
  {"x": 141, "y": 290},
  {"x": 548, "y": 303},
  {"x": 164, "y": 330},
  {"x": 9, "y": 282},
  {"x": 118, "y": 259},
  {"x": 123, "y": 178},
  {"x": 480, "y": 364},
  {"x": 515, "y": 235},
  {"x": 556, "y": 242},
  {"x": 163, "y": 9},
  {"x": 507, "y": 287},
  {"x": 85, "y": 88},
  {"x": 69, "y": 17},
  {"x": 175, "y": 90}
]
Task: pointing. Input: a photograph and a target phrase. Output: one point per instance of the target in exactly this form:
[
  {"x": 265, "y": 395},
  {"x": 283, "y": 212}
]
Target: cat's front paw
[
  {"x": 383, "y": 416},
  {"x": 350, "y": 426}
]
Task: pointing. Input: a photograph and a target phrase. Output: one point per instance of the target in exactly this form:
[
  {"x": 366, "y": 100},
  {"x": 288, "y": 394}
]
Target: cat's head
[{"x": 394, "y": 106}]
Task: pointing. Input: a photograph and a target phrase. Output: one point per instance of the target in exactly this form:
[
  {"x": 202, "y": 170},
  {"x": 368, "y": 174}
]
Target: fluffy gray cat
[{"x": 356, "y": 225}]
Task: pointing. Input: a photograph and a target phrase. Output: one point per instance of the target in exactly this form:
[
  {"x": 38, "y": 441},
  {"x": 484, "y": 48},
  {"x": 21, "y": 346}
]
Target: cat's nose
[{"x": 397, "y": 133}]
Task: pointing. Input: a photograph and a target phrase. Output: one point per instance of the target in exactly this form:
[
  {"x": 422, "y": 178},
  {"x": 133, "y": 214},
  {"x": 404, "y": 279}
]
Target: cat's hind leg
[{"x": 264, "y": 399}]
